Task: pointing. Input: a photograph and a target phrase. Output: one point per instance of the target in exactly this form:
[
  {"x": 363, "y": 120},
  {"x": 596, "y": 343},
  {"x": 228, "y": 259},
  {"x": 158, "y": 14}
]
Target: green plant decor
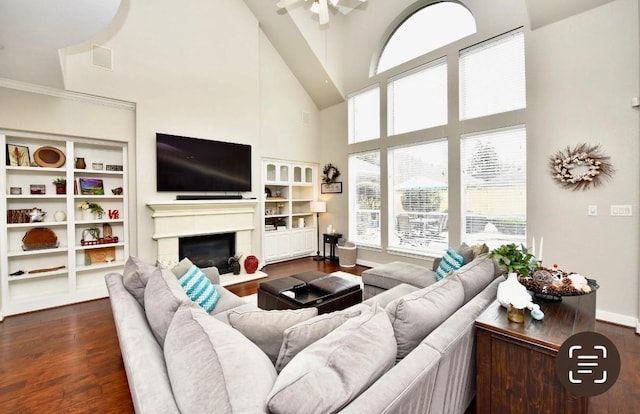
[
  {"x": 60, "y": 182},
  {"x": 514, "y": 259}
]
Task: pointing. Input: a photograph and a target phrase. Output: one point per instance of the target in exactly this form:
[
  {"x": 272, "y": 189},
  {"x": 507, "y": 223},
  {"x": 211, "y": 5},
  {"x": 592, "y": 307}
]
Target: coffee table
[{"x": 325, "y": 292}]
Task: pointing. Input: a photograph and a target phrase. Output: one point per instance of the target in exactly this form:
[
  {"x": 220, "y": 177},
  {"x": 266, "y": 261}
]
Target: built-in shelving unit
[
  {"x": 289, "y": 228},
  {"x": 69, "y": 271}
]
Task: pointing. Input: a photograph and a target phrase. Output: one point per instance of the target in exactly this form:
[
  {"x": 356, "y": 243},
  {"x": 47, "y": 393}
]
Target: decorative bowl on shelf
[
  {"x": 552, "y": 285},
  {"x": 39, "y": 238}
]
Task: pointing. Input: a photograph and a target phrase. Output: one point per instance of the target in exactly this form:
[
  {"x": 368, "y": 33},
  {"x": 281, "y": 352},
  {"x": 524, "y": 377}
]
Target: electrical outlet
[
  {"x": 622, "y": 210},
  {"x": 592, "y": 210}
]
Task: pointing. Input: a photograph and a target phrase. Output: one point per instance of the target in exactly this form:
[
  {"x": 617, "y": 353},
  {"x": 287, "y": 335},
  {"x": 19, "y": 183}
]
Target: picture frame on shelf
[
  {"x": 91, "y": 186},
  {"x": 331, "y": 188},
  {"x": 18, "y": 156},
  {"x": 37, "y": 189}
]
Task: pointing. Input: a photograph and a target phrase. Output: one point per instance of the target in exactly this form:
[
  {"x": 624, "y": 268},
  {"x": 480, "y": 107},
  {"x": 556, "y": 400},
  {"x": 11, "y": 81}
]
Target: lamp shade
[{"x": 318, "y": 206}]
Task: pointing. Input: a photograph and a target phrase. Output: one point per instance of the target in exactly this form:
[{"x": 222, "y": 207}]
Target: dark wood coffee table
[{"x": 325, "y": 292}]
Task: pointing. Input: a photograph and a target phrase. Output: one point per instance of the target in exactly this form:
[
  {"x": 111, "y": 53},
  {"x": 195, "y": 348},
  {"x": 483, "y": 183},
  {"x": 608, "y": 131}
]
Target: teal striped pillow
[
  {"x": 199, "y": 288},
  {"x": 451, "y": 261}
]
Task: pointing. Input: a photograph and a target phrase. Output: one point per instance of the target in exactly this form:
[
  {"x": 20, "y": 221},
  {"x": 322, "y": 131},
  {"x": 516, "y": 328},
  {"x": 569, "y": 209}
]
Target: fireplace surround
[{"x": 175, "y": 219}]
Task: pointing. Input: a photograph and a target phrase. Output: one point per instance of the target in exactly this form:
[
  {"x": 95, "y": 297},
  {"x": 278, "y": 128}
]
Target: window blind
[
  {"x": 364, "y": 198},
  {"x": 364, "y": 115},
  {"x": 492, "y": 76},
  {"x": 494, "y": 184}
]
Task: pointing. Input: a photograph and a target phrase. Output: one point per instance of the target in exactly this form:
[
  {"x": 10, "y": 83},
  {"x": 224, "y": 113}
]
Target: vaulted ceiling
[{"x": 32, "y": 32}]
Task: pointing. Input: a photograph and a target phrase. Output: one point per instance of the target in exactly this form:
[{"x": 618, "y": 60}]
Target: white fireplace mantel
[{"x": 174, "y": 219}]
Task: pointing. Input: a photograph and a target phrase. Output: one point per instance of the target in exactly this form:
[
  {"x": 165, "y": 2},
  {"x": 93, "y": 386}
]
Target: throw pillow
[
  {"x": 199, "y": 289},
  {"x": 162, "y": 297},
  {"x": 303, "y": 334},
  {"x": 331, "y": 372},
  {"x": 265, "y": 328},
  {"x": 213, "y": 368},
  {"x": 415, "y": 315},
  {"x": 451, "y": 261},
  {"x": 135, "y": 276},
  {"x": 185, "y": 264},
  {"x": 466, "y": 252}
]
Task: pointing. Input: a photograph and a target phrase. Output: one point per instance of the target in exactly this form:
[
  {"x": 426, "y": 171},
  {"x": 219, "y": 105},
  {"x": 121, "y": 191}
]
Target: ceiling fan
[{"x": 320, "y": 7}]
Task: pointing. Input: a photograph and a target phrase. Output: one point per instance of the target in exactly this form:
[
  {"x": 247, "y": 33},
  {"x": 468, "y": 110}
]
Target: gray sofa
[{"x": 405, "y": 350}]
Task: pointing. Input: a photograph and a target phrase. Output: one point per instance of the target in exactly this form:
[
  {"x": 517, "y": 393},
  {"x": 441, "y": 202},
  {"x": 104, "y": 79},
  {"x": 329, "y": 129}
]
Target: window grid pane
[
  {"x": 364, "y": 115},
  {"x": 494, "y": 182},
  {"x": 492, "y": 77},
  {"x": 418, "y": 100},
  {"x": 364, "y": 198},
  {"x": 418, "y": 194},
  {"x": 436, "y": 25}
]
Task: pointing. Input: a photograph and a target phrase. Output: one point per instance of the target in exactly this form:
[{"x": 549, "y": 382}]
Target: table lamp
[{"x": 318, "y": 207}]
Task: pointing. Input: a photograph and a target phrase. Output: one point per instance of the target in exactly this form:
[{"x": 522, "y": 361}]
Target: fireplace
[{"x": 209, "y": 250}]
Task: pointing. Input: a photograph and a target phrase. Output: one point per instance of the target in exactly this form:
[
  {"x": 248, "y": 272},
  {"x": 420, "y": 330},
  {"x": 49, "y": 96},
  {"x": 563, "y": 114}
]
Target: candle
[
  {"x": 541, "y": 241},
  {"x": 533, "y": 245}
]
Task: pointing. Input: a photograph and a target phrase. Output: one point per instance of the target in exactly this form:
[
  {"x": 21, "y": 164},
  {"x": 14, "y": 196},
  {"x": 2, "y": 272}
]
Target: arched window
[{"x": 436, "y": 25}]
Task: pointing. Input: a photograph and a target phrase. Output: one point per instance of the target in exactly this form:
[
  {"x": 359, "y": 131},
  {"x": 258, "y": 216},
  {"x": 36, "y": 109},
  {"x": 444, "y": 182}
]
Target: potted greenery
[
  {"x": 61, "y": 185},
  {"x": 94, "y": 208},
  {"x": 514, "y": 260}
]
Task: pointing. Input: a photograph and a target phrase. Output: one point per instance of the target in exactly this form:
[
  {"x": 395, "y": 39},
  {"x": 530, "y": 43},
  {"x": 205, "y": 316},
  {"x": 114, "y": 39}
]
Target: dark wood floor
[{"x": 67, "y": 360}]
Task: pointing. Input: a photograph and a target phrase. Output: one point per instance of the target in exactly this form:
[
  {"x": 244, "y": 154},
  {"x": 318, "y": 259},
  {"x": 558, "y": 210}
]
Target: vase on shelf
[
  {"x": 88, "y": 215},
  {"x": 80, "y": 164},
  {"x": 235, "y": 267},
  {"x": 510, "y": 289},
  {"x": 251, "y": 264}
]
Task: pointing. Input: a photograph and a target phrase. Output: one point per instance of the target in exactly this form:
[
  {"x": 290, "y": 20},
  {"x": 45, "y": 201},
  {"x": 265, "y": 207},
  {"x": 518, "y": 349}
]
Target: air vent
[{"x": 102, "y": 57}]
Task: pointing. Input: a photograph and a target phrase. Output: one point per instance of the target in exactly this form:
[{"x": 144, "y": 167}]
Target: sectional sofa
[{"x": 405, "y": 350}]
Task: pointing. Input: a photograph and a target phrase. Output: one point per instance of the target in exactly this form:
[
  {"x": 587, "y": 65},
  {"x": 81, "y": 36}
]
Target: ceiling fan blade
[
  {"x": 324, "y": 12},
  {"x": 285, "y": 3}
]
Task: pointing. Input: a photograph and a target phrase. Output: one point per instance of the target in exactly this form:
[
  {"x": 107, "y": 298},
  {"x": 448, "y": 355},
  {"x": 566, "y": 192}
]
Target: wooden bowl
[{"x": 49, "y": 157}]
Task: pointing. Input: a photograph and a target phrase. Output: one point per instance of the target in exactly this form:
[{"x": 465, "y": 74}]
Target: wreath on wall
[
  {"x": 330, "y": 173},
  {"x": 580, "y": 168}
]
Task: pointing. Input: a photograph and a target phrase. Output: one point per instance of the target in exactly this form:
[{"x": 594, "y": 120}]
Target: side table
[
  {"x": 515, "y": 363},
  {"x": 332, "y": 240}
]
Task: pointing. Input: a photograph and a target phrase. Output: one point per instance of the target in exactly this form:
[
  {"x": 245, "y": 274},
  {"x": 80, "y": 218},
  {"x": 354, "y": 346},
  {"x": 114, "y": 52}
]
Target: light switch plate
[{"x": 621, "y": 210}]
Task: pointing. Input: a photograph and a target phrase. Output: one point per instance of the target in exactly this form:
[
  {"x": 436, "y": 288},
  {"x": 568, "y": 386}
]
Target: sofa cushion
[
  {"x": 162, "y": 297},
  {"x": 415, "y": 315},
  {"x": 332, "y": 371},
  {"x": 392, "y": 274},
  {"x": 452, "y": 260},
  {"x": 135, "y": 276},
  {"x": 265, "y": 328},
  {"x": 214, "y": 368},
  {"x": 475, "y": 276},
  {"x": 303, "y": 334},
  {"x": 199, "y": 288}
]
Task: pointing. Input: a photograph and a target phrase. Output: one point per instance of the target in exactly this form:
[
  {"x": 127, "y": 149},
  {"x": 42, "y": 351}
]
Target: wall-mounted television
[{"x": 194, "y": 164}]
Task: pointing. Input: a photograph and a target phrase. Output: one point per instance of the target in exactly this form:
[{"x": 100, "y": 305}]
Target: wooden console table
[{"x": 515, "y": 363}]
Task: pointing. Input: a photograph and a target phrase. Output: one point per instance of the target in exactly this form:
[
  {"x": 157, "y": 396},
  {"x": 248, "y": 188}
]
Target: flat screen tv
[{"x": 193, "y": 164}]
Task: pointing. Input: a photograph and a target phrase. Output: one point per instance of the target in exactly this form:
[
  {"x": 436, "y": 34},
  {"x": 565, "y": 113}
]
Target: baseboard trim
[{"x": 618, "y": 319}]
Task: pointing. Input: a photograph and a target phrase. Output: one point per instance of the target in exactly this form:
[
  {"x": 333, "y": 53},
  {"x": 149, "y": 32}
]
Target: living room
[
  {"x": 233, "y": 82},
  {"x": 242, "y": 90}
]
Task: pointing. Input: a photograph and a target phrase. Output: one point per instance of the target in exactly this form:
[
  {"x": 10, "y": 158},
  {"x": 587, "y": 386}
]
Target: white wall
[
  {"x": 581, "y": 75},
  {"x": 201, "y": 69},
  {"x": 196, "y": 68}
]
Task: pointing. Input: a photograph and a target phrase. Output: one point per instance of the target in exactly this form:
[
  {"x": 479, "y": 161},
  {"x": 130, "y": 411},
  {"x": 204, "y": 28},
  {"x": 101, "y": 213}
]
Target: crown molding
[{"x": 58, "y": 93}]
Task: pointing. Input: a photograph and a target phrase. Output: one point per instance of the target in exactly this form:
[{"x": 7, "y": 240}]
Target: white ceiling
[{"x": 33, "y": 31}]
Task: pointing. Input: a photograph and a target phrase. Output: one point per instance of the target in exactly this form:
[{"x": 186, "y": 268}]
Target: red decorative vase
[{"x": 251, "y": 264}]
